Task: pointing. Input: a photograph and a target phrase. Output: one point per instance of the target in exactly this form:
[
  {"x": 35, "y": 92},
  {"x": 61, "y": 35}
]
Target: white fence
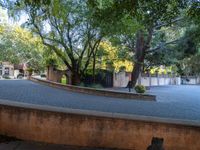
[
  {"x": 191, "y": 80},
  {"x": 121, "y": 79},
  {"x": 159, "y": 81}
]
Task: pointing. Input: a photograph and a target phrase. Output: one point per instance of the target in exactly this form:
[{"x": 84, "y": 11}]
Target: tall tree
[
  {"x": 65, "y": 27},
  {"x": 149, "y": 15}
]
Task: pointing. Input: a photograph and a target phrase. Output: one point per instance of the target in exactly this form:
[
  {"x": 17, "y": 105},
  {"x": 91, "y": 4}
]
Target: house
[
  {"x": 6, "y": 68},
  {"x": 20, "y": 70}
]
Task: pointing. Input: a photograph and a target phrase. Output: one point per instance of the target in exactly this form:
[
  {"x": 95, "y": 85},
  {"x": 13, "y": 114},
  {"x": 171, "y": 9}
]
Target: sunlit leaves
[{"x": 18, "y": 45}]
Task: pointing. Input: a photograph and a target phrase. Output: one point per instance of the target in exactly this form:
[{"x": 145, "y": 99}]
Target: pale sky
[{"x": 5, "y": 19}]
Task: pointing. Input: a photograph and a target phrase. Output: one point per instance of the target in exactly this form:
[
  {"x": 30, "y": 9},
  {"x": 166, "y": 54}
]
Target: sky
[{"x": 5, "y": 19}]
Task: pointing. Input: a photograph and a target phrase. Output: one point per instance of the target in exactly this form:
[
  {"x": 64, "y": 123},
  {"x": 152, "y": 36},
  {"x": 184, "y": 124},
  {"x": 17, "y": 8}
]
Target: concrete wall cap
[{"x": 99, "y": 114}]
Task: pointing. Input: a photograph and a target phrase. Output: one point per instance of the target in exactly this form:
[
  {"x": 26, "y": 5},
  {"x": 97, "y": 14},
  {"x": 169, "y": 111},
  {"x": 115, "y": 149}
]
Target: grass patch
[{"x": 63, "y": 81}]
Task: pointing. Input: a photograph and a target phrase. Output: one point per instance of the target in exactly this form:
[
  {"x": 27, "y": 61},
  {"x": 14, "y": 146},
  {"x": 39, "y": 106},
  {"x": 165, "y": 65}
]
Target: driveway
[{"x": 179, "y": 102}]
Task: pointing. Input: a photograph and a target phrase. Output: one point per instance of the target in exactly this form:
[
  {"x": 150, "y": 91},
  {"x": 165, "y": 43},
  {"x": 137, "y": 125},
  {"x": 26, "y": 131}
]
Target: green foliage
[
  {"x": 64, "y": 27},
  {"x": 111, "y": 58},
  {"x": 30, "y": 70},
  {"x": 96, "y": 86},
  {"x": 43, "y": 76},
  {"x": 72, "y": 30},
  {"x": 6, "y": 77},
  {"x": 18, "y": 45},
  {"x": 82, "y": 84},
  {"x": 140, "y": 89},
  {"x": 194, "y": 11},
  {"x": 189, "y": 43},
  {"x": 64, "y": 80},
  {"x": 190, "y": 66}
]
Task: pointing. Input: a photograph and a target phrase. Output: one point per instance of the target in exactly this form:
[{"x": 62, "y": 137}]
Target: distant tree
[{"x": 18, "y": 45}]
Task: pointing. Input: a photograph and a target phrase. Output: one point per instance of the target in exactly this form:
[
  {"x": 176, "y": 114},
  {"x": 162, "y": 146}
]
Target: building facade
[{"x": 7, "y": 69}]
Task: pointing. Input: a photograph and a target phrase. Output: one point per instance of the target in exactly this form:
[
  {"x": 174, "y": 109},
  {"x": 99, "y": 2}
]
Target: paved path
[{"x": 180, "y": 102}]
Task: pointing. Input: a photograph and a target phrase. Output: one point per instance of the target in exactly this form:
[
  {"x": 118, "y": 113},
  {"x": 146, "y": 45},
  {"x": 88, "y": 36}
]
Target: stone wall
[
  {"x": 94, "y": 129},
  {"x": 56, "y": 75}
]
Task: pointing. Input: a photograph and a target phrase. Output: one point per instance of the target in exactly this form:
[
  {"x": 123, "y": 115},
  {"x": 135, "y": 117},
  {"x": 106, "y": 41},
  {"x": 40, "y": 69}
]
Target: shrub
[
  {"x": 43, "y": 76},
  {"x": 82, "y": 84},
  {"x": 140, "y": 89},
  {"x": 30, "y": 71},
  {"x": 96, "y": 86},
  {"x": 7, "y": 77}
]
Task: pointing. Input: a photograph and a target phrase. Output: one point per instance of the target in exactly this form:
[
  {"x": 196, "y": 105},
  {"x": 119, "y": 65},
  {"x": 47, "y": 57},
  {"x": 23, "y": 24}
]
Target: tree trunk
[
  {"x": 75, "y": 78},
  {"x": 75, "y": 74},
  {"x": 93, "y": 69},
  {"x": 139, "y": 57},
  {"x": 135, "y": 74}
]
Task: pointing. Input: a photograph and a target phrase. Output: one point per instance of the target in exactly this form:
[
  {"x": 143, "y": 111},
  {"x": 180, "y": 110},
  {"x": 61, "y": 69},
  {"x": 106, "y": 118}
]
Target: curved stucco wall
[
  {"x": 94, "y": 129},
  {"x": 100, "y": 92}
]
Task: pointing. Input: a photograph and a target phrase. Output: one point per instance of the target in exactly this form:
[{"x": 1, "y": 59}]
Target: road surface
[{"x": 175, "y": 102}]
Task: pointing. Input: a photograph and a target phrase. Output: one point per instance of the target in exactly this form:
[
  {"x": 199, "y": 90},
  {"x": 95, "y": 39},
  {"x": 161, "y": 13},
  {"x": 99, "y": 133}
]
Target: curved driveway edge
[{"x": 99, "y": 92}]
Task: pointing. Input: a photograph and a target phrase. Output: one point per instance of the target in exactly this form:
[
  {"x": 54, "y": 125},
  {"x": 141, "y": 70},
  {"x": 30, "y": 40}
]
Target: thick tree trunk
[
  {"x": 139, "y": 57},
  {"x": 140, "y": 50},
  {"x": 135, "y": 74},
  {"x": 93, "y": 69},
  {"x": 75, "y": 78},
  {"x": 75, "y": 74}
]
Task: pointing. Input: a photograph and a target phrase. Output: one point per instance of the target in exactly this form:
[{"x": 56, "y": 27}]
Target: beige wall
[
  {"x": 76, "y": 127},
  {"x": 121, "y": 79}
]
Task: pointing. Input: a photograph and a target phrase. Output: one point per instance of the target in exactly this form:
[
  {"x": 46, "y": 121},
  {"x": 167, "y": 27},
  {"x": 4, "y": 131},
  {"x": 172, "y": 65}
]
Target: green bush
[
  {"x": 140, "y": 89},
  {"x": 43, "y": 76},
  {"x": 96, "y": 86},
  {"x": 7, "y": 77},
  {"x": 82, "y": 84}
]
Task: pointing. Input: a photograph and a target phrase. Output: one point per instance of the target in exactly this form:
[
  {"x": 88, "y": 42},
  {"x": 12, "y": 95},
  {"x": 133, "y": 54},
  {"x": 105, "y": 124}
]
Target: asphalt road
[{"x": 178, "y": 102}]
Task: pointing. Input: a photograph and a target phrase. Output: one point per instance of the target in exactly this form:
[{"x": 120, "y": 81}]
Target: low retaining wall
[
  {"x": 94, "y": 129},
  {"x": 109, "y": 93}
]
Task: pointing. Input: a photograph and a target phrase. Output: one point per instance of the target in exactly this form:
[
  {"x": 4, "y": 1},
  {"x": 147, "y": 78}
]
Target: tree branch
[
  {"x": 158, "y": 26},
  {"x": 49, "y": 45},
  {"x": 95, "y": 46},
  {"x": 160, "y": 46}
]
